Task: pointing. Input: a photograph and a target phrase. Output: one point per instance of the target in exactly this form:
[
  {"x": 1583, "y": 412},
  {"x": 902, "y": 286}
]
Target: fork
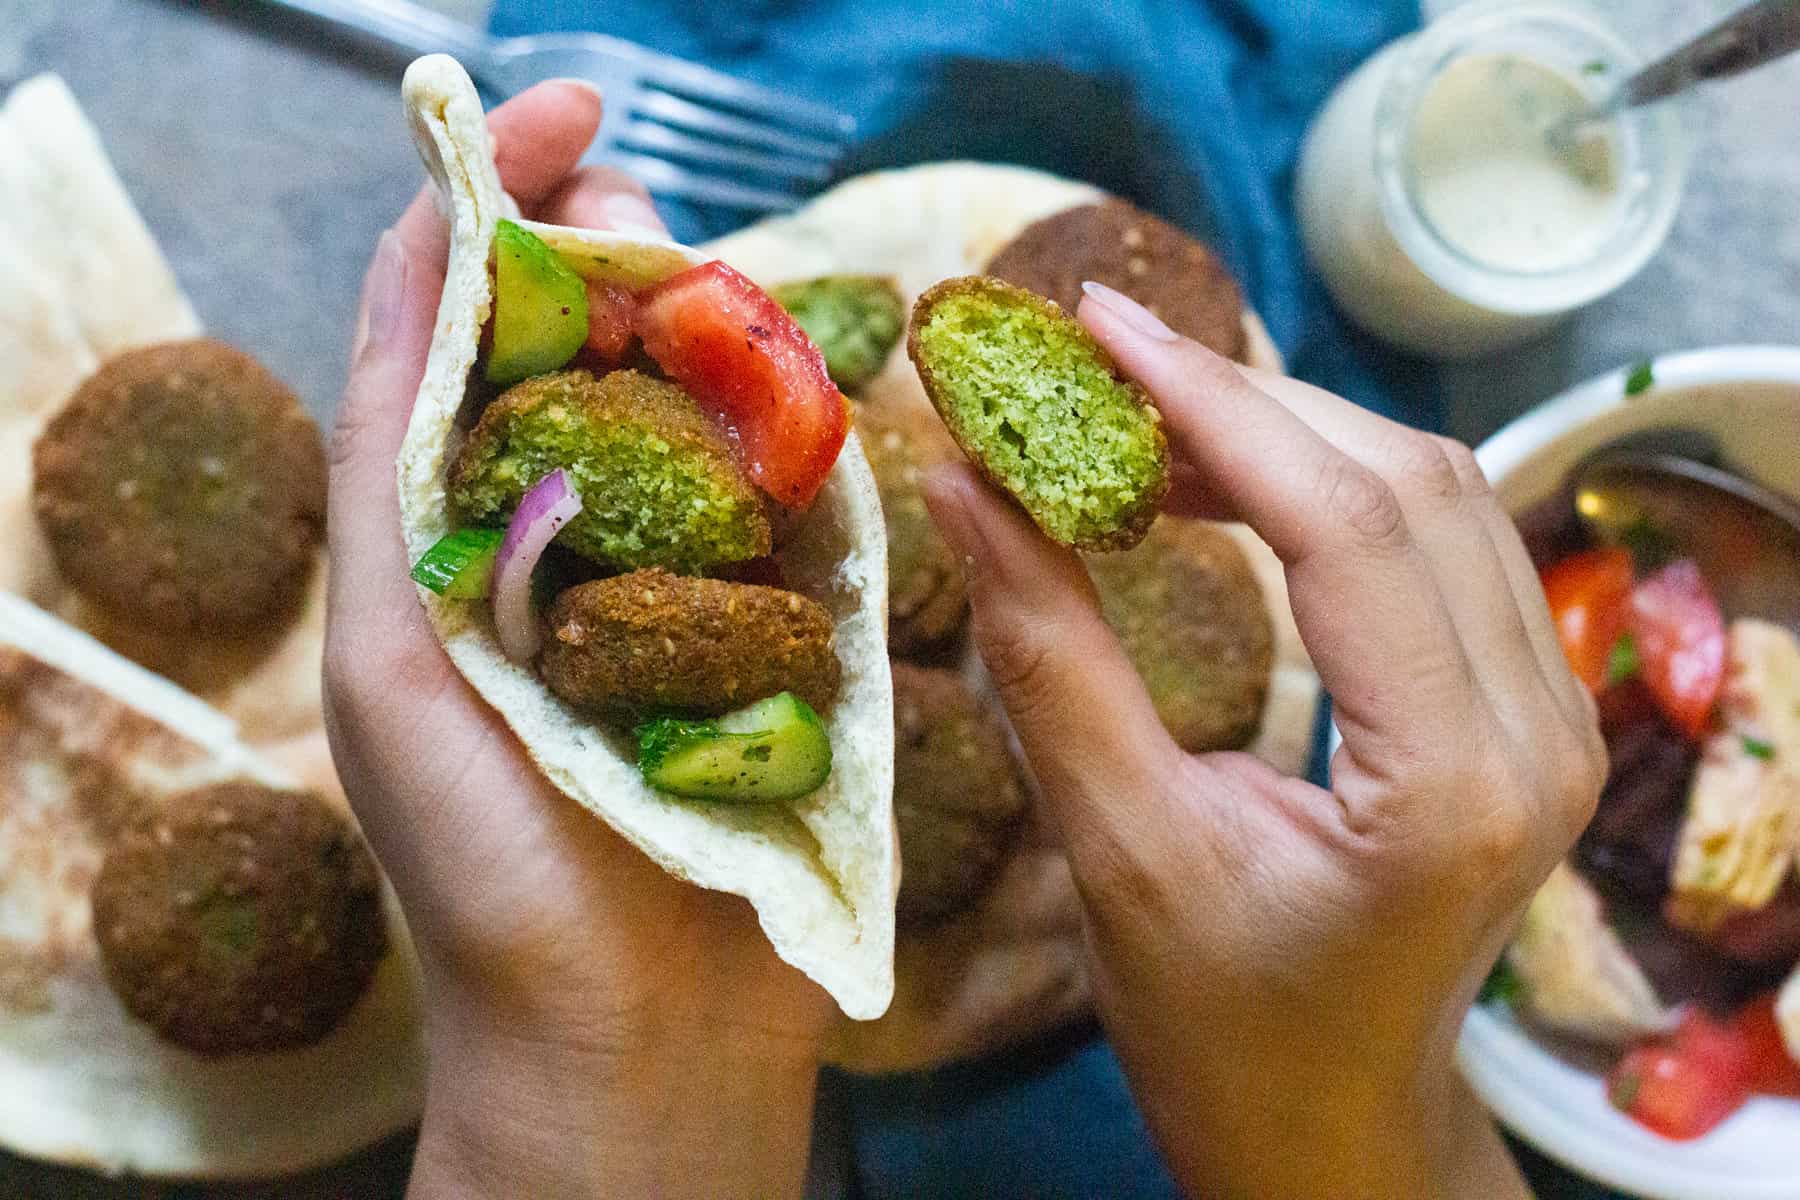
[{"x": 674, "y": 125}]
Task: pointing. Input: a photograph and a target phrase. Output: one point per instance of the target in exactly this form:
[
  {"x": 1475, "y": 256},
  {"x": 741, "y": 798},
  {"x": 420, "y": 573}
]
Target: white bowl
[{"x": 1749, "y": 398}]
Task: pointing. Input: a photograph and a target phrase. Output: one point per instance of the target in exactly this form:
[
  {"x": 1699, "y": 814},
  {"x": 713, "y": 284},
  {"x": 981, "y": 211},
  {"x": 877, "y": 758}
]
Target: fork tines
[{"x": 684, "y": 116}]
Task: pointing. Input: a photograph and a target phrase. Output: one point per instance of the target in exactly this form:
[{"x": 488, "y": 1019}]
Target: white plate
[{"x": 1749, "y": 398}]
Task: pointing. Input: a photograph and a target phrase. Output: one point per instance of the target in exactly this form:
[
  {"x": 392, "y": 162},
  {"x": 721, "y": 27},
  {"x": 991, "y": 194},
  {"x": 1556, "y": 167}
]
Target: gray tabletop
[{"x": 267, "y": 159}]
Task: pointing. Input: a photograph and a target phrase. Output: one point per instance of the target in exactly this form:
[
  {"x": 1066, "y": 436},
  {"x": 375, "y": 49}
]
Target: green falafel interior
[
  {"x": 1037, "y": 404},
  {"x": 855, "y": 320},
  {"x": 655, "y": 477}
]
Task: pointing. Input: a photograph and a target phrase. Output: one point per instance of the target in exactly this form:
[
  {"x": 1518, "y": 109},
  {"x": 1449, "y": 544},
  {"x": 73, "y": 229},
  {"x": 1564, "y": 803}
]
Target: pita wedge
[
  {"x": 86, "y": 739},
  {"x": 1011, "y": 966},
  {"x": 81, "y": 279},
  {"x": 821, "y": 871}
]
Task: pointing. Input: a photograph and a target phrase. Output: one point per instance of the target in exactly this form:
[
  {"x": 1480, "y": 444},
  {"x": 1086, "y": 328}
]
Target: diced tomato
[
  {"x": 1680, "y": 638},
  {"x": 1588, "y": 594},
  {"x": 1773, "y": 1070},
  {"x": 744, "y": 359},
  {"x": 1683, "y": 1086},
  {"x": 612, "y": 319}
]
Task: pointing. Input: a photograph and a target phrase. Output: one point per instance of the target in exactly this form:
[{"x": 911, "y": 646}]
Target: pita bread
[
  {"x": 85, "y": 738},
  {"x": 1012, "y": 965},
  {"x": 81, "y": 279},
  {"x": 821, "y": 872}
]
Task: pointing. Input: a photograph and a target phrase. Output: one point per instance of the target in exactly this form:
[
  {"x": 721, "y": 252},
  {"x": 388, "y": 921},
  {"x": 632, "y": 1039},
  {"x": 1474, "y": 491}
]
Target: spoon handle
[{"x": 1748, "y": 38}]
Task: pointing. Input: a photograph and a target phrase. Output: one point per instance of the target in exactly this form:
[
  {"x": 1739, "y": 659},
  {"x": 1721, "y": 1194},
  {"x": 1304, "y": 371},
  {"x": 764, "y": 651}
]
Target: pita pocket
[
  {"x": 87, "y": 739},
  {"x": 821, "y": 871},
  {"x": 1011, "y": 966}
]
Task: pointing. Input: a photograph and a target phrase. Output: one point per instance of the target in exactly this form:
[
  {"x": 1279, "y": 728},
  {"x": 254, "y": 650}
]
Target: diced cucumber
[
  {"x": 459, "y": 565},
  {"x": 540, "y": 307},
  {"x": 776, "y": 749}
]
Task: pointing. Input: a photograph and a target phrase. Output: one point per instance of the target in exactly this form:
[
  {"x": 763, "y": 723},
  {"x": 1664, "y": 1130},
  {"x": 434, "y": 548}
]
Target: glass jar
[{"x": 1438, "y": 210}]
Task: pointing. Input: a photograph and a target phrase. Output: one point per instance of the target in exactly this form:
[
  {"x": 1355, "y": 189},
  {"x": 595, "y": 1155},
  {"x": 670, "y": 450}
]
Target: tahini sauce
[{"x": 1488, "y": 180}]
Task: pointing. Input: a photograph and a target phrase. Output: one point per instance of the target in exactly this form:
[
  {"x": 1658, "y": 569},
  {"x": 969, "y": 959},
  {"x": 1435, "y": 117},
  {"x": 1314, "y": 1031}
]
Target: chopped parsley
[
  {"x": 1502, "y": 984},
  {"x": 1640, "y": 379},
  {"x": 1593, "y": 67},
  {"x": 1622, "y": 661},
  {"x": 1755, "y": 747}
]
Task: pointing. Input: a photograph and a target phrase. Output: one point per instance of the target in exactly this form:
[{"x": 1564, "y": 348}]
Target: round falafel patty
[
  {"x": 658, "y": 483},
  {"x": 1191, "y": 615},
  {"x": 927, "y": 599},
  {"x": 655, "y": 640},
  {"x": 184, "y": 484},
  {"x": 238, "y": 918},
  {"x": 958, "y": 792},
  {"x": 1131, "y": 251}
]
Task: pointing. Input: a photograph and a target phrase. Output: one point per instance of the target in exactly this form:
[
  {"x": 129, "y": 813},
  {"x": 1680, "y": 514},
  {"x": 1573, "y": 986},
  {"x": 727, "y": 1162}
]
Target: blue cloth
[{"x": 1192, "y": 110}]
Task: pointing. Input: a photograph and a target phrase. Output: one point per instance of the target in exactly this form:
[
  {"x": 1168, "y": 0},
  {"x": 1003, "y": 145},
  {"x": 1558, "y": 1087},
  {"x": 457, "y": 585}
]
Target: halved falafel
[
  {"x": 959, "y": 793},
  {"x": 238, "y": 918},
  {"x": 652, "y": 640},
  {"x": 927, "y": 598},
  {"x": 658, "y": 483},
  {"x": 1187, "y": 607},
  {"x": 854, "y": 320},
  {"x": 1037, "y": 404},
  {"x": 183, "y": 484},
  {"x": 1127, "y": 249}
]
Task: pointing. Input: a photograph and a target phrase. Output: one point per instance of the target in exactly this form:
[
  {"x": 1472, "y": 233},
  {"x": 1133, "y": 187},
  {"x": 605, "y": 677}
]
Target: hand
[
  {"x": 593, "y": 1024},
  {"x": 1283, "y": 969}
]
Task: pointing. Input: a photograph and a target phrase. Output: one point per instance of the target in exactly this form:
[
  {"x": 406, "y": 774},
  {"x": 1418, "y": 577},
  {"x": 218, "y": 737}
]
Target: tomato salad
[{"x": 1692, "y": 854}]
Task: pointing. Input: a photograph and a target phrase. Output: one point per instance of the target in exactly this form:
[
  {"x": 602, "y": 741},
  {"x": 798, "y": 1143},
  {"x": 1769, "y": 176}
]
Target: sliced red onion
[{"x": 546, "y": 508}]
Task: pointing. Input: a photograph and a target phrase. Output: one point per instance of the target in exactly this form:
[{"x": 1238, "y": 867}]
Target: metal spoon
[
  {"x": 1745, "y": 537},
  {"x": 1754, "y": 35}
]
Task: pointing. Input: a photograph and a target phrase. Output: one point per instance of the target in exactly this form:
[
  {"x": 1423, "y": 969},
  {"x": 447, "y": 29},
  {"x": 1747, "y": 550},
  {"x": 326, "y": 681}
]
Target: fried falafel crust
[
  {"x": 238, "y": 918},
  {"x": 959, "y": 793},
  {"x": 1082, "y": 521},
  {"x": 185, "y": 485},
  {"x": 1187, "y": 607},
  {"x": 659, "y": 484},
  {"x": 927, "y": 595},
  {"x": 654, "y": 640},
  {"x": 1118, "y": 244}
]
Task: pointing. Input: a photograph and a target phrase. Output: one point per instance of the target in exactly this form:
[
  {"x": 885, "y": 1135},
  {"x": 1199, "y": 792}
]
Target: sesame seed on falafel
[
  {"x": 183, "y": 484},
  {"x": 959, "y": 793},
  {"x": 238, "y": 918},
  {"x": 653, "y": 640},
  {"x": 658, "y": 483},
  {"x": 927, "y": 597}
]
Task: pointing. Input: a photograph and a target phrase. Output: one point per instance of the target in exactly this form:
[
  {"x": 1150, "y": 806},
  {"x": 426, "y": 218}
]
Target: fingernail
[
  {"x": 628, "y": 212},
  {"x": 586, "y": 85},
  {"x": 384, "y": 291},
  {"x": 1129, "y": 311}
]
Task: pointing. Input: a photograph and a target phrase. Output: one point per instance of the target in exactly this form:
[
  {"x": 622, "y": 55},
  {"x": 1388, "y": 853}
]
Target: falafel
[
  {"x": 652, "y": 640},
  {"x": 184, "y": 484},
  {"x": 959, "y": 794},
  {"x": 1188, "y": 609},
  {"x": 927, "y": 596},
  {"x": 238, "y": 918},
  {"x": 658, "y": 483},
  {"x": 1037, "y": 404},
  {"x": 1127, "y": 249},
  {"x": 854, "y": 320}
]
